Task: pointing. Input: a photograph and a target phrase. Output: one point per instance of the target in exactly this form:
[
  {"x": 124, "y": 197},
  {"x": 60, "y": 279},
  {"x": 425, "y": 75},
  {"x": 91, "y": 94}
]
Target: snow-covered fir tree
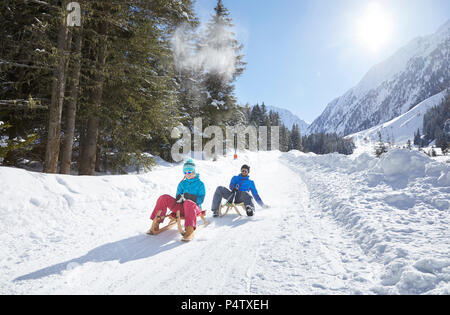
[{"x": 219, "y": 37}]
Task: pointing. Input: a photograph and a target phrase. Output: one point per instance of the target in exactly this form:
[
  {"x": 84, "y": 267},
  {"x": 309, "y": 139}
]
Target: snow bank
[
  {"x": 400, "y": 167},
  {"x": 402, "y": 163},
  {"x": 396, "y": 208}
]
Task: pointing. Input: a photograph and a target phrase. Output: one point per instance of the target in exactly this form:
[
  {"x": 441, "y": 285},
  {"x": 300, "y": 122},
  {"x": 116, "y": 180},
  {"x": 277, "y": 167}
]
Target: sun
[{"x": 374, "y": 27}]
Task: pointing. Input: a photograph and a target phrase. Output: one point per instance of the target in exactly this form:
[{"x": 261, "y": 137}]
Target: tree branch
[{"x": 23, "y": 103}]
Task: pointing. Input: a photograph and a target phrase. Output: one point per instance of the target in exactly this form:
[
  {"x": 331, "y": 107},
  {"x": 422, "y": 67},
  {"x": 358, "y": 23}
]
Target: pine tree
[
  {"x": 295, "y": 139},
  {"x": 408, "y": 145},
  {"x": 190, "y": 92},
  {"x": 380, "y": 148},
  {"x": 255, "y": 115},
  {"x": 58, "y": 93},
  {"x": 284, "y": 139},
  {"x": 220, "y": 102},
  {"x": 126, "y": 98},
  {"x": 417, "y": 138},
  {"x": 14, "y": 145},
  {"x": 140, "y": 95},
  {"x": 444, "y": 145},
  {"x": 263, "y": 119},
  {"x": 71, "y": 104},
  {"x": 28, "y": 57},
  {"x": 434, "y": 121}
]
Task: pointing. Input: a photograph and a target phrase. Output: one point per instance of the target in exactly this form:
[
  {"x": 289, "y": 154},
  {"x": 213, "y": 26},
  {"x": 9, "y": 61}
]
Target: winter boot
[
  {"x": 215, "y": 213},
  {"x": 250, "y": 210},
  {"x": 154, "y": 228},
  {"x": 189, "y": 234}
]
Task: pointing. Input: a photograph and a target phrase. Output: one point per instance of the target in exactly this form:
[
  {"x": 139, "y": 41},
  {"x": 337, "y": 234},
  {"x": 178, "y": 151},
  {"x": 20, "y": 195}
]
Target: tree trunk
[
  {"x": 56, "y": 105},
  {"x": 89, "y": 150},
  {"x": 71, "y": 108},
  {"x": 88, "y": 157}
]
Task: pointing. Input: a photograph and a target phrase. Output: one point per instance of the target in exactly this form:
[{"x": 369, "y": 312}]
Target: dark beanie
[{"x": 245, "y": 167}]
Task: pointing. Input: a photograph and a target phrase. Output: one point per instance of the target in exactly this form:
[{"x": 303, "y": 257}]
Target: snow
[
  {"x": 337, "y": 225},
  {"x": 396, "y": 208}
]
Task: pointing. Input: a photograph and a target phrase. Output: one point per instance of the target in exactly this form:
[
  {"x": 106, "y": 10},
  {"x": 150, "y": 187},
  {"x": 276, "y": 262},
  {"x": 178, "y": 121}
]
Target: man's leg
[
  {"x": 221, "y": 192},
  {"x": 244, "y": 197}
]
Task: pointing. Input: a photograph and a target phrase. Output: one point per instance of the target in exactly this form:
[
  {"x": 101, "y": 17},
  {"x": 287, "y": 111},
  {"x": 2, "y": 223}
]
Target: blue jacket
[
  {"x": 193, "y": 186},
  {"x": 246, "y": 184}
]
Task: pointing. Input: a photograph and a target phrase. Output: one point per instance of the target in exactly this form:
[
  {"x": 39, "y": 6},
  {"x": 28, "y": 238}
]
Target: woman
[{"x": 189, "y": 198}]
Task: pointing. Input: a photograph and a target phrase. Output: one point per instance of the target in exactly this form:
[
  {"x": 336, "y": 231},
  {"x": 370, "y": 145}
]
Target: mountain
[
  {"x": 402, "y": 128},
  {"x": 414, "y": 73},
  {"x": 289, "y": 119}
]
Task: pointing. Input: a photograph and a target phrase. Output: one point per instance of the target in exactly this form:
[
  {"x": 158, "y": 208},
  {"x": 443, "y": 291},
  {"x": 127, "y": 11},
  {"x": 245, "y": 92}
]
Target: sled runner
[
  {"x": 230, "y": 205},
  {"x": 175, "y": 218}
]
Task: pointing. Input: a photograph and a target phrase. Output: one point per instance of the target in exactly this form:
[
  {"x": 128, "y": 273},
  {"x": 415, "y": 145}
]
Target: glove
[
  {"x": 180, "y": 198},
  {"x": 188, "y": 196}
]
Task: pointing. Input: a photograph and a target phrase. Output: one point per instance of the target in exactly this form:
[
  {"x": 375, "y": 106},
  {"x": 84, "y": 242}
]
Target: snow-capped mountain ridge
[
  {"x": 414, "y": 73},
  {"x": 402, "y": 128}
]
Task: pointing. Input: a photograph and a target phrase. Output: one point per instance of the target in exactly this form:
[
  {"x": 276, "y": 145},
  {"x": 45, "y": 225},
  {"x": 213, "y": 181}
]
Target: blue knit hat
[{"x": 189, "y": 166}]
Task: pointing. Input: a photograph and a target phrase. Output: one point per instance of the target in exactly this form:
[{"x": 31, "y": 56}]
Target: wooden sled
[
  {"x": 229, "y": 206},
  {"x": 174, "y": 219}
]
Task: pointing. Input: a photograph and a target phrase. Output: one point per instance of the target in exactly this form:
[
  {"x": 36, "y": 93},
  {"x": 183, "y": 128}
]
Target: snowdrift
[{"x": 396, "y": 208}]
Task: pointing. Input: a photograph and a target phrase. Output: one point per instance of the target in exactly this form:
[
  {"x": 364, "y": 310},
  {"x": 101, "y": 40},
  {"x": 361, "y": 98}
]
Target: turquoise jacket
[{"x": 193, "y": 186}]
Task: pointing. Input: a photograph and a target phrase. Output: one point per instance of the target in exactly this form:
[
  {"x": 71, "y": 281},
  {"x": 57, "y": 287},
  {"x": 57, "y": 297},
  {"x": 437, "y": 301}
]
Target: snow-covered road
[{"x": 86, "y": 235}]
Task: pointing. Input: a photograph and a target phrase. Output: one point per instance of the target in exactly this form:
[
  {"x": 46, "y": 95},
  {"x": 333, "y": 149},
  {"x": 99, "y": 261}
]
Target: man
[{"x": 240, "y": 186}]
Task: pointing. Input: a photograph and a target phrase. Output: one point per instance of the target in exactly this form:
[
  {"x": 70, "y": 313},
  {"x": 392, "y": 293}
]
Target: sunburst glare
[{"x": 374, "y": 28}]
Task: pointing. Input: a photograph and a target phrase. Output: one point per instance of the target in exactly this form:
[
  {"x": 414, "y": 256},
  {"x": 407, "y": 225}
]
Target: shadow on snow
[{"x": 129, "y": 249}]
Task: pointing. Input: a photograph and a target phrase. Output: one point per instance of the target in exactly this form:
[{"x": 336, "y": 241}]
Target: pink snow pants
[{"x": 189, "y": 209}]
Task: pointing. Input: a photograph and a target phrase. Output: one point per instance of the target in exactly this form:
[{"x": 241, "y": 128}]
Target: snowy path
[
  {"x": 307, "y": 253},
  {"x": 287, "y": 249}
]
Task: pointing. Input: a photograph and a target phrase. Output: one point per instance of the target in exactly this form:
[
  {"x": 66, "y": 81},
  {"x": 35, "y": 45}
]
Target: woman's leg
[
  {"x": 191, "y": 211},
  {"x": 164, "y": 202}
]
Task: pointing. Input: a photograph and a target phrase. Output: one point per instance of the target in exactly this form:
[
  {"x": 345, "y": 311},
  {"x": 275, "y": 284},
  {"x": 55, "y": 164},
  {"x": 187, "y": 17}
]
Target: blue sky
[{"x": 302, "y": 54}]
